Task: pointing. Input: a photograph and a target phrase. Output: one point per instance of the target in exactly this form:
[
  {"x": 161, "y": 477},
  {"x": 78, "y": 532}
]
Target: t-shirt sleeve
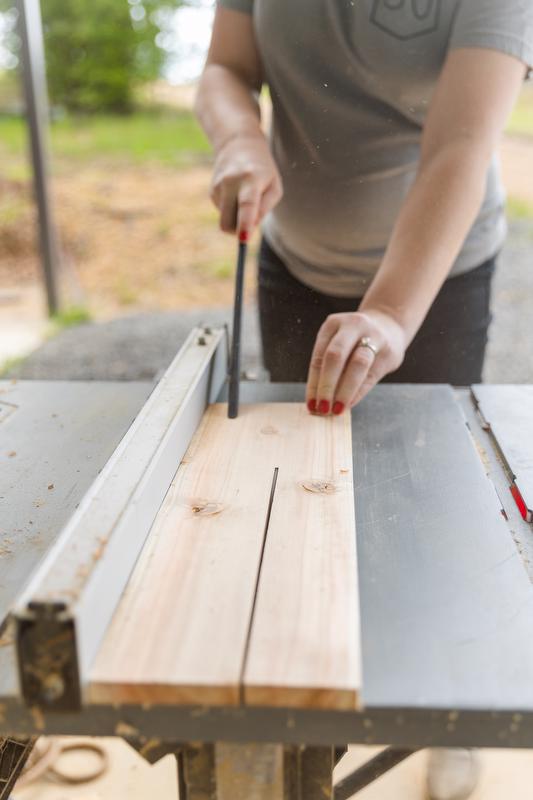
[
  {"x": 238, "y": 5},
  {"x": 504, "y": 25}
]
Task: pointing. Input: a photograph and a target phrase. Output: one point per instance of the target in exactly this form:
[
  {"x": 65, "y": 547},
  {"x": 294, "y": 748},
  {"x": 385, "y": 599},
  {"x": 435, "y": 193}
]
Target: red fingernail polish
[
  {"x": 243, "y": 237},
  {"x": 338, "y": 408},
  {"x": 311, "y": 405},
  {"x": 323, "y": 406}
]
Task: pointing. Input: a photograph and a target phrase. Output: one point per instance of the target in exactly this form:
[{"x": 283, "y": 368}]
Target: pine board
[
  {"x": 181, "y": 633},
  {"x": 306, "y": 618}
]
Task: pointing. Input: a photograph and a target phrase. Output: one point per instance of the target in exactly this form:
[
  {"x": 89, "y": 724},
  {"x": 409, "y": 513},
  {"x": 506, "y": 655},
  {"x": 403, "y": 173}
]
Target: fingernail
[
  {"x": 323, "y": 407},
  {"x": 311, "y": 405},
  {"x": 338, "y": 407},
  {"x": 243, "y": 237}
]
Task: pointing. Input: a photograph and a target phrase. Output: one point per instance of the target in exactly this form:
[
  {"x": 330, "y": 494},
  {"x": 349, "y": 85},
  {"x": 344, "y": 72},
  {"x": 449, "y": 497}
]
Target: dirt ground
[
  {"x": 146, "y": 238},
  {"x": 131, "y": 239}
]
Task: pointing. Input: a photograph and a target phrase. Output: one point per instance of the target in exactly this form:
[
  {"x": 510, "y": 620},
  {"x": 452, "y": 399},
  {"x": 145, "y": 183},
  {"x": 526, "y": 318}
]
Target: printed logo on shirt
[{"x": 406, "y": 19}]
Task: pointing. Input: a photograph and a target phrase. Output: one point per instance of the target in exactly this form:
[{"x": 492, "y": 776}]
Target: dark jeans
[{"x": 449, "y": 347}]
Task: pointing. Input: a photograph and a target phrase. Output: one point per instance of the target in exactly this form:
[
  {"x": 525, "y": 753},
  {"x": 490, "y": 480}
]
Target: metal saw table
[{"x": 447, "y": 619}]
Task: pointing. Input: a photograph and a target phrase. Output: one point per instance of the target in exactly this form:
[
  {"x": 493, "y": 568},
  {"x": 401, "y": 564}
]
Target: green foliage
[
  {"x": 521, "y": 122},
  {"x": 69, "y": 318},
  {"x": 518, "y": 208},
  {"x": 166, "y": 137},
  {"x": 98, "y": 52},
  {"x": 10, "y": 364}
]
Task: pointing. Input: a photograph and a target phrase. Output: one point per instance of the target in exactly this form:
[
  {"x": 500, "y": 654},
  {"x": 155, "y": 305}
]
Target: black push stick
[{"x": 235, "y": 357}]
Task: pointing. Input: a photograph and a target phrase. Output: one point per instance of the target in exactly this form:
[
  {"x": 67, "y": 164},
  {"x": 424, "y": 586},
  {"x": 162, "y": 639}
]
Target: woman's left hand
[{"x": 343, "y": 369}]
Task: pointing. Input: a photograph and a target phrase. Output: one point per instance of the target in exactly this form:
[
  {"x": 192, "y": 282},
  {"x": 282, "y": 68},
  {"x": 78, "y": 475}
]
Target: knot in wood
[
  {"x": 204, "y": 508},
  {"x": 318, "y": 486},
  {"x": 269, "y": 430}
]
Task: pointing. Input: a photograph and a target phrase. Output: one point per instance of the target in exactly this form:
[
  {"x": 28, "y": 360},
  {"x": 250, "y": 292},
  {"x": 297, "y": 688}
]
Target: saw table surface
[{"x": 446, "y": 598}]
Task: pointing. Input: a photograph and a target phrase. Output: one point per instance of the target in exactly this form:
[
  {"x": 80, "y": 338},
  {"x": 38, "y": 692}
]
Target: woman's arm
[
  {"x": 246, "y": 182},
  {"x": 473, "y": 99}
]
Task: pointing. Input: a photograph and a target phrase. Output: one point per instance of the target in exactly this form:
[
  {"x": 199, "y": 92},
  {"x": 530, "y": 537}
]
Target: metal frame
[
  {"x": 221, "y": 771},
  {"x": 407, "y": 728},
  {"x": 34, "y": 74},
  {"x": 13, "y": 755},
  {"x": 63, "y": 613}
]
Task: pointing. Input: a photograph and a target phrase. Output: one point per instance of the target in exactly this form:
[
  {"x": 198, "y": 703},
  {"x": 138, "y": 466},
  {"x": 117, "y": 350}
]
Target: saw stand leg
[
  {"x": 13, "y": 755},
  {"x": 308, "y": 773},
  {"x": 227, "y": 771},
  {"x": 196, "y": 772},
  {"x": 371, "y": 770}
]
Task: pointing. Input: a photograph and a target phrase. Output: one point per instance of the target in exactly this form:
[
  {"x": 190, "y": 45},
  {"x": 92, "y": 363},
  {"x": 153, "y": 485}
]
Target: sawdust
[
  {"x": 269, "y": 430},
  {"x": 482, "y": 453},
  {"x": 38, "y": 718},
  {"x": 98, "y": 553},
  {"x": 8, "y": 635},
  {"x": 125, "y": 730}
]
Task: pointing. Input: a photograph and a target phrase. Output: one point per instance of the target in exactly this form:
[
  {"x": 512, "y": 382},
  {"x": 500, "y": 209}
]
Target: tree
[{"x": 97, "y": 52}]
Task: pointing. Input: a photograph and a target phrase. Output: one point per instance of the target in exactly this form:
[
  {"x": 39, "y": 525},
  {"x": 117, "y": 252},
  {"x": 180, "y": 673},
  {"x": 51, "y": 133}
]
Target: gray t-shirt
[{"x": 351, "y": 81}]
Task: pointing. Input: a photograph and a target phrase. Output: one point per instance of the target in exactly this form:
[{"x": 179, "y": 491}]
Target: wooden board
[
  {"x": 307, "y": 618},
  {"x": 184, "y": 632},
  {"x": 508, "y": 410}
]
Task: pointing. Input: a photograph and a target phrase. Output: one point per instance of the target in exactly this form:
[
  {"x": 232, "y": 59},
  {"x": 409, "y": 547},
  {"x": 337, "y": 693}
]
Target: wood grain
[
  {"x": 304, "y": 645},
  {"x": 180, "y": 634}
]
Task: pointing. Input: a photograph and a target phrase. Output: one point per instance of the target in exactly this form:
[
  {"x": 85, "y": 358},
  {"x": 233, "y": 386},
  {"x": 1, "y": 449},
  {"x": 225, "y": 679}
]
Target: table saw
[{"x": 443, "y": 483}]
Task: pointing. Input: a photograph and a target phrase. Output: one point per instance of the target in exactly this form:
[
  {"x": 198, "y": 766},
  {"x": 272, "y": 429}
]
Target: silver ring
[{"x": 367, "y": 342}]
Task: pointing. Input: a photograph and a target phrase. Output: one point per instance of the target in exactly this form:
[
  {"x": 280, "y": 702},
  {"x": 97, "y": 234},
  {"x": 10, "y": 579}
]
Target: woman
[{"x": 379, "y": 192}]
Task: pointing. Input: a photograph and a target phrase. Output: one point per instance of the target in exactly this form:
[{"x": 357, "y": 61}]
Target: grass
[
  {"x": 69, "y": 318},
  {"x": 165, "y": 137},
  {"x": 156, "y": 135},
  {"x": 518, "y": 208},
  {"x": 10, "y": 364},
  {"x": 125, "y": 294},
  {"x": 221, "y": 269},
  {"x": 12, "y": 209},
  {"x": 521, "y": 122}
]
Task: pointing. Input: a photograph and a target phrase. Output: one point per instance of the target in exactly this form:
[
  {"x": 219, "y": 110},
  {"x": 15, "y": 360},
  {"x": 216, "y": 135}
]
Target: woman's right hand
[{"x": 246, "y": 183}]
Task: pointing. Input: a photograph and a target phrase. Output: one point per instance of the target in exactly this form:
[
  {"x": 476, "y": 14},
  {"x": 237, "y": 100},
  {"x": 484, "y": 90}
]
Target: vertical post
[
  {"x": 249, "y": 771},
  {"x": 199, "y": 775},
  {"x": 33, "y": 69},
  {"x": 308, "y": 773}
]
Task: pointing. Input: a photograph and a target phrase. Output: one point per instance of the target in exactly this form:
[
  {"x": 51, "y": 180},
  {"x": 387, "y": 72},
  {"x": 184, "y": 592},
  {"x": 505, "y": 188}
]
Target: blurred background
[
  {"x": 129, "y": 170},
  {"x": 129, "y": 177}
]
